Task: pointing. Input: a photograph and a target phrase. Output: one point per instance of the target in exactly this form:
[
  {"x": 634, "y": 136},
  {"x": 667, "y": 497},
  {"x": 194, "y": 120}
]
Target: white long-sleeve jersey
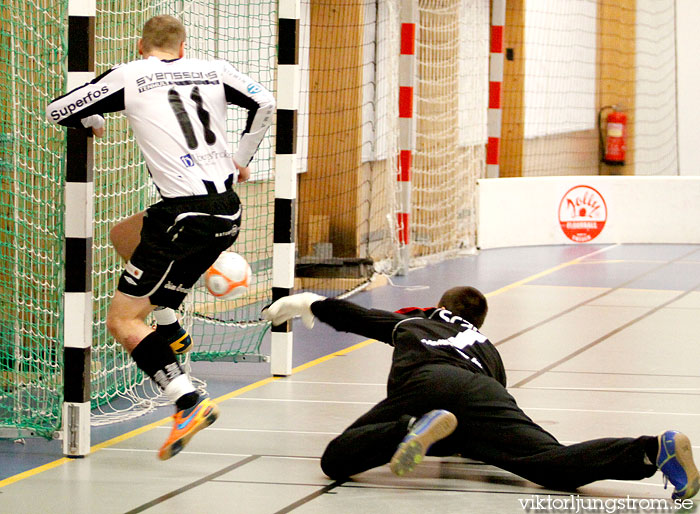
[{"x": 177, "y": 111}]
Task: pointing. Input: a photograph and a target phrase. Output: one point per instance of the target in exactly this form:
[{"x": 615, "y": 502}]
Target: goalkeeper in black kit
[{"x": 446, "y": 395}]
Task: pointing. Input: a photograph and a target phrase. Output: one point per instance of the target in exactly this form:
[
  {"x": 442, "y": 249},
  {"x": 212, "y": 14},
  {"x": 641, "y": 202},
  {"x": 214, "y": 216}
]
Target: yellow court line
[
  {"x": 150, "y": 426},
  {"x": 146, "y": 428},
  {"x": 237, "y": 392},
  {"x": 32, "y": 472},
  {"x": 344, "y": 351},
  {"x": 547, "y": 271},
  {"x": 635, "y": 289}
]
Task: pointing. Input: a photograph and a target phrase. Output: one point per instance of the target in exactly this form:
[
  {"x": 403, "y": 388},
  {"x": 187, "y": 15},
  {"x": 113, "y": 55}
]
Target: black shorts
[{"x": 180, "y": 239}]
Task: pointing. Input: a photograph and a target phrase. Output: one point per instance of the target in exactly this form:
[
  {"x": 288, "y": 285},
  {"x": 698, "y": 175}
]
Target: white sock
[
  {"x": 164, "y": 316},
  {"x": 178, "y": 386}
]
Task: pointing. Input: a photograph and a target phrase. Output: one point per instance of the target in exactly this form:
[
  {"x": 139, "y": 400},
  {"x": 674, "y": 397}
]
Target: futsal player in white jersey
[{"x": 176, "y": 108}]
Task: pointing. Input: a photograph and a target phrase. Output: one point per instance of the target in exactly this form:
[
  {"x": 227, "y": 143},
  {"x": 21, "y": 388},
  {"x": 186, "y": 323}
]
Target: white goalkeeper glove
[{"x": 292, "y": 306}]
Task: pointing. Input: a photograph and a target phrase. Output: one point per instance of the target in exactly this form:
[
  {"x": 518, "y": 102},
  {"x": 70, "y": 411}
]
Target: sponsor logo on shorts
[
  {"x": 130, "y": 280},
  {"x": 133, "y": 270},
  {"x": 254, "y": 88},
  {"x": 179, "y": 288},
  {"x": 234, "y": 230}
]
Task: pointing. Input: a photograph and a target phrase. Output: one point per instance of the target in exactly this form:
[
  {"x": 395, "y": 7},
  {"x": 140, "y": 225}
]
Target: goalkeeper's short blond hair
[{"x": 162, "y": 32}]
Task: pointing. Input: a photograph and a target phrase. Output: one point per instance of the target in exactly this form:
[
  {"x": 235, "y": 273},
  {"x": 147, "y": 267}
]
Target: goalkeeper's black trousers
[{"x": 491, "y": 428}]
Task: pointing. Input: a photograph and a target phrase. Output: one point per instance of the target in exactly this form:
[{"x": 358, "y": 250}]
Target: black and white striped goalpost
[
  {"x": 285, "y": 178},
  {"x": 77, "y": 331},
  {"x": 79, "y": 190}
]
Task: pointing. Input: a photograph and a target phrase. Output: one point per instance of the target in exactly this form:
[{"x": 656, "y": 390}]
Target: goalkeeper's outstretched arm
[
  {"x": 342, "y": 315},
  {"x": 346, "y": 316}
]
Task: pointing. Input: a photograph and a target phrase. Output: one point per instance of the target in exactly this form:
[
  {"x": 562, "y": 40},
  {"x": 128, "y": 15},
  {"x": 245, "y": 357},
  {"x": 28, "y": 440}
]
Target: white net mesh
[
  {"x": 581, "y": 57},
  {"x": 576, "y": 57},
  {"x": 244, "y": 34},
  {"x": 656, "y": 138},
  {"x": 451, "y": 100},
  {"x": 452, "y": 40},
  {"x": 32, "y": 171}
]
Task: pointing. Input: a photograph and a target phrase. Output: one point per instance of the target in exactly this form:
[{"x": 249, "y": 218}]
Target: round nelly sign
[{"x": 582, "y": 214}]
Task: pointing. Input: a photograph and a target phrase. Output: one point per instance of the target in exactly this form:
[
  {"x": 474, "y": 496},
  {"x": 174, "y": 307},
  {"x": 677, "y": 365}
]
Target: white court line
[
  {"x": 383, "y": 384},
  {"x": 640, "y": 261},
  {"x": 635, "y": 482},
  {"x": 569, "y": 443},
  {"x": 526, "y": 409},
  {"x": 211, "y": 429},
  {"x": 572, "y": 372},
  {"x": 288, "y": 400},
  {"x": 141, "y": 450},
  {"x": 428, "y": 460},
  {"x": 553, "y": 388},
  {"x": 267, "y": 430},
  {"x": 617, "y": 389}
]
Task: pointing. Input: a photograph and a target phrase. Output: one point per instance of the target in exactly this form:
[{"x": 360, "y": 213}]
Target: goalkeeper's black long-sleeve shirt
[{"x": 419, "y": 337}]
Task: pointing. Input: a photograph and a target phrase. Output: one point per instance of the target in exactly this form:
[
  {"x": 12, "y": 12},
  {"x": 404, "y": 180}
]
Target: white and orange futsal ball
[{"x": 229, "y": 277}]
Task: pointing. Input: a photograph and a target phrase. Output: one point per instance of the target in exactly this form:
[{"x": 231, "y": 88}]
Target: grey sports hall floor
[{"x": 598, "y": 341}]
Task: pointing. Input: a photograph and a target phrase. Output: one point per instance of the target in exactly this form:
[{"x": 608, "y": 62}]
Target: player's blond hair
[{"x": 162, "y": 32}]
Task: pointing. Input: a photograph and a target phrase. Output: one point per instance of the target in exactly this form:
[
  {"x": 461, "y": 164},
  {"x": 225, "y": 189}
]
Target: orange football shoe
[{"x": 187, "y": 423}]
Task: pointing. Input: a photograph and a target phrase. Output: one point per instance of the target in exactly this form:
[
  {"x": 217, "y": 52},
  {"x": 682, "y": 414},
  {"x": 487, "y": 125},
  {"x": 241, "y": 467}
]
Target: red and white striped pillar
[
  {"x": 407, "y": 129},
  {"x": 495, "y": 112}
]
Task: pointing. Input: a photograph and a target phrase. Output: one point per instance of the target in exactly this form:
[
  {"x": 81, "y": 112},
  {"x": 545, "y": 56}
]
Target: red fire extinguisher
[{"x": 613, "y": 135}]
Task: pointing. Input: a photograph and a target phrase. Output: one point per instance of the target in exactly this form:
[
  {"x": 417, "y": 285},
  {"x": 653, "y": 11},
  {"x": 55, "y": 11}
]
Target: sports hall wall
[
  {"x": 564, "y": 61},
  {"x": 529, "y": 211},
  {"x": 652, "y": 198},
  {"x": 688, "y": 38}
]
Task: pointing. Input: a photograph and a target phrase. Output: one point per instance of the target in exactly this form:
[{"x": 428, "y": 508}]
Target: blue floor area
[
  {"x": 488, "y": 271},
  {"x": 17, "y": 456},
  {"x": 222, "y": 378},
  {"x": 645, "y": 266}
]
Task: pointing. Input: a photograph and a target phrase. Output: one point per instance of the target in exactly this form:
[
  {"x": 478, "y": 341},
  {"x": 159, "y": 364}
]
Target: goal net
[
  {"x": 348, "y": 145},
  {"x": 242, "y": 33},
  {"x": 32, "y": 172},
  {"x": 32, "y": 162},
  {"x": 569, "y": 59},
  {"x": 347, "y": 226},
  {"x": 571, "y": 63},
  {"x": 451, "y": 105}
]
